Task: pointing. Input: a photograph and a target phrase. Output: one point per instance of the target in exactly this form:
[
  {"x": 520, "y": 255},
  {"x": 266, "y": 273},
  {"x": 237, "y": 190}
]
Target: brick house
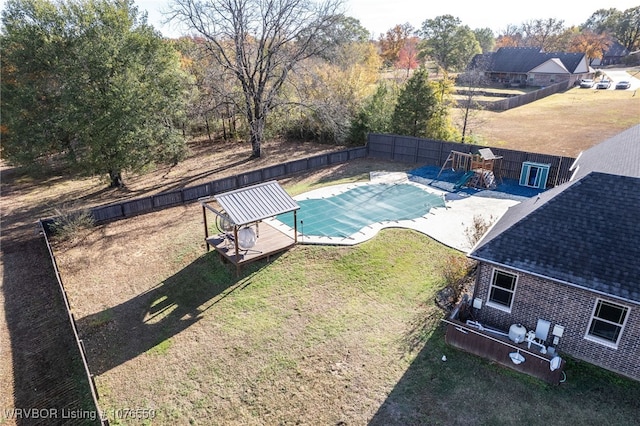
[
  {"x": 530, "y": 66},
  {"x": 571, "y": 256}
]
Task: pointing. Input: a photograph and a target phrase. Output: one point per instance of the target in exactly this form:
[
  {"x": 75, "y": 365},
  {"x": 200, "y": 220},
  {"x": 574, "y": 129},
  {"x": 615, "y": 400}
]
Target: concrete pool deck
[{"x": 446, "y": 225}]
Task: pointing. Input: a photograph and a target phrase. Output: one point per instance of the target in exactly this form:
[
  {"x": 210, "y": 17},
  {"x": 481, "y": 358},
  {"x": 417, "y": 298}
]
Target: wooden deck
[{"x": 269, "y": 241}]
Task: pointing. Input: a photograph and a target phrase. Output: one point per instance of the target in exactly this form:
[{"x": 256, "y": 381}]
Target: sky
[{"x": 378, "y": 16}]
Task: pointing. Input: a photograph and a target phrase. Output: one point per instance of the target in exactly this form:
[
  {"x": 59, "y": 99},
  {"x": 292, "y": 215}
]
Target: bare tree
[
  {"x": 260, "y": 42},
  {"x": 547, "y": 34},
  {"x": 511, "y": 36},
  {"x": 472, "y": 83}
]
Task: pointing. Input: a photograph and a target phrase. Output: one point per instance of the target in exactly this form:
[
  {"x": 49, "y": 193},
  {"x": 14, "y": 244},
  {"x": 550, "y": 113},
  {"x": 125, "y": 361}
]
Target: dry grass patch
[
  {"x": 321, "y": 335},
  {"x": 28, "y": 197},
  {"x": 562, "y": 124},
  {"x": 317, "y": 336}
]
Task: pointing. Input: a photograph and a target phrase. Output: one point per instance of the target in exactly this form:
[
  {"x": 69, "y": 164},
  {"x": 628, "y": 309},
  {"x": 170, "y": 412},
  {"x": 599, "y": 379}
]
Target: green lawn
[
  {"x": 320, "y": 335},
  {"x": 324, "y": 335}
]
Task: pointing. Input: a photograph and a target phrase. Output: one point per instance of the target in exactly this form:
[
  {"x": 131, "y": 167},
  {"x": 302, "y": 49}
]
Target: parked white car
[
  {"x": 586, "y": 83},
  {"x": 623, "y": 85}
]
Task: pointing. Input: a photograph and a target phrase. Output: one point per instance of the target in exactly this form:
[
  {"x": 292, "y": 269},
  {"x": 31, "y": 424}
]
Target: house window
[
  {"x": 607, "y": 323},
  {"x": 503, "y": 287}
]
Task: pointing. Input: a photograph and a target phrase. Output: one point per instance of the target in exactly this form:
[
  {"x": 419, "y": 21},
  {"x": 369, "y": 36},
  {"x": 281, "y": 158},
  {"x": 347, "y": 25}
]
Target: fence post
[
  {"x": 393, "y": 147},
  {"x": 558, "y": 172}
]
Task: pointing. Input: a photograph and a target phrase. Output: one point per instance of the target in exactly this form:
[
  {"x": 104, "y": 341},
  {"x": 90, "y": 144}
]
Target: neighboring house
[
  {"x": 530, "y": 66},
  {"x": 571, "y": 256},
  {"x": 615, "y": 54}
]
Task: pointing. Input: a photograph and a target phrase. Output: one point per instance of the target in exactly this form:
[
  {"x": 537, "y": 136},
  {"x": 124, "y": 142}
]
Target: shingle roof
[
  {"x": 583, "y": 233},
  {"x": 257, "y": 202},
  {"x": 524, "y": 59},
  {"x": 618, "y": 155},
  {"x": 616, "y": 50}
]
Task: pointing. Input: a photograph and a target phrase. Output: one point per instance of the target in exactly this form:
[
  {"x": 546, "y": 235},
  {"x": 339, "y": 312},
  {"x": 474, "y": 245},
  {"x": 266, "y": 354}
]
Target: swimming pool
[{"x": 344, "y": 213}]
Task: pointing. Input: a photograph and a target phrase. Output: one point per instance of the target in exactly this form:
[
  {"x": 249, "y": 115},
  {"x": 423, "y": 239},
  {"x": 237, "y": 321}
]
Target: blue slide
[{"x": 464, "y": 179}]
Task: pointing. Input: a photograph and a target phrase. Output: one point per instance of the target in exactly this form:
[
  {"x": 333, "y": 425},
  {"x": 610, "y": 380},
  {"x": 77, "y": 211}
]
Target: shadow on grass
[
  {"x": 122, "y": 332},
  {"x": 46, "y": 364},
  {"x": 191, "y": 179},
  {"x": 468, "y": 390},
  {"x": 361, "y": 169}
]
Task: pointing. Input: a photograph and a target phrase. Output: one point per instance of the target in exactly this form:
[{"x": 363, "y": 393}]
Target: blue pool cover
[{"x": 346, "y": 213}]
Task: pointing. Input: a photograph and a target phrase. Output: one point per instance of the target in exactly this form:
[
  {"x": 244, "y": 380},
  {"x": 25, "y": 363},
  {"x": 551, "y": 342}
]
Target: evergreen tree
[
  {"x": 374, "y": 117},
  {"x": 417, "y": 104}
]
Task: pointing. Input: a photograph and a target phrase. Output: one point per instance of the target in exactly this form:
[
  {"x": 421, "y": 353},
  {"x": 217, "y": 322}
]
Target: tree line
[
  {"x": 453, "y": 44},
  {"x": 91, "y": 85}
]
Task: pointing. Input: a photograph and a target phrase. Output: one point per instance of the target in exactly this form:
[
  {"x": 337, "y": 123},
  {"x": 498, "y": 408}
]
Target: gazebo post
[
  {"x": 236, "y": 243},
  {"x": 243, "y": 207},
  {"x": 295, "y": 226},
  {"x": 206, "y": 227}
]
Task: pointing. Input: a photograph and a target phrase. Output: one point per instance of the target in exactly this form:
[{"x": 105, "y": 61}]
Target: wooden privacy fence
[
  {"x": 431, "y": 152},
  {"x": 107, "y": 213},
  {"x": 404, "y": 149},
  {"x": 388, "y": 147},
  {"x": 100, "y": 418},
  {"x": 516, "y": 101}
]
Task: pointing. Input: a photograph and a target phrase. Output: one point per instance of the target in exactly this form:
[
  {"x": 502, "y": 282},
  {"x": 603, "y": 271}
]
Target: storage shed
[{"x": 534, "y": 175}]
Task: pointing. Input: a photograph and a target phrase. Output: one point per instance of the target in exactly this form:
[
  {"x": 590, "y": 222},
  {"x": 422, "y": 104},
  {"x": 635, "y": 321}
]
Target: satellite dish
[
  {"x": 246, "y": 238},
  {"x": 224, "y": 222}
]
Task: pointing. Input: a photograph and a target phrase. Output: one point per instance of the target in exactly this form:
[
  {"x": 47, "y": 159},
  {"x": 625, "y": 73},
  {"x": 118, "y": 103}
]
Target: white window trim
[
  {"x": 499, "y": 306},
  {"x": 605, "y": 342}
]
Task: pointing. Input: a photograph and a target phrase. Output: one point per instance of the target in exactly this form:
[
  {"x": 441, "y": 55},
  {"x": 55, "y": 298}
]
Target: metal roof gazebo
[{"x": 238, "y": 216}]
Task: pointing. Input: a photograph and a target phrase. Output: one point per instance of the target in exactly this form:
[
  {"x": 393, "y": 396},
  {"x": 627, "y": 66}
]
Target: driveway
[{"x": 616, "y": 75}]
